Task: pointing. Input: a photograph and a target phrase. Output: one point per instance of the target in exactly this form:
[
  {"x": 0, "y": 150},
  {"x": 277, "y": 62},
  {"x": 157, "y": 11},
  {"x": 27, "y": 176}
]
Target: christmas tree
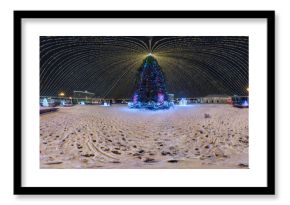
[{"x": 150, "y": 90}]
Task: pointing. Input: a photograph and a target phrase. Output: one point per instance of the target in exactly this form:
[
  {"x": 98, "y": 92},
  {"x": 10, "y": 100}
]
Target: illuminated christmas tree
[{"x": 150, "y": 90}]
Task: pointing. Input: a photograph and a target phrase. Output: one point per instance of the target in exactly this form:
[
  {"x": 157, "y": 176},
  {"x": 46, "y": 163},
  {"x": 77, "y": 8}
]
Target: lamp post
[{"x": 61, "y": 94}]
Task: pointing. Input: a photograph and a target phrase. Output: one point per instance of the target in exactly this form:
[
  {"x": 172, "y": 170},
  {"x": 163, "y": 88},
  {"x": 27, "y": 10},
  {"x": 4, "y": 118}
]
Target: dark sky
[{"x": 107, "y": 66}]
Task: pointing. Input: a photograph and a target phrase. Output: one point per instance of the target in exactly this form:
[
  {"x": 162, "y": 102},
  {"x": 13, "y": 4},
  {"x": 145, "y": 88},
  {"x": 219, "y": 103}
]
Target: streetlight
[{"x": 61, "y": 94}]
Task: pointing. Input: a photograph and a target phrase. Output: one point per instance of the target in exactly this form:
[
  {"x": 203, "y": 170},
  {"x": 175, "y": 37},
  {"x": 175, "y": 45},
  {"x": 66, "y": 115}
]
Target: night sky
[{"x": 107, "y": 66}]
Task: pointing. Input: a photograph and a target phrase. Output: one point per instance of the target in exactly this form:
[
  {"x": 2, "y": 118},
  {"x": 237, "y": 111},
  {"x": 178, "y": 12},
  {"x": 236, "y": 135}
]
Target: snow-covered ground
[{"x": 94, "y": 136}]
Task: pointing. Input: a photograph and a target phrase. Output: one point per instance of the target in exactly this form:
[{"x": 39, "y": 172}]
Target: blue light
[
  {"x": 130, "y": 104},
  {"x": 160, "y": 98},
  {"x": 245, "y": 103},
  {"x": 183, "y": 102},
  {"x": 45, "y": 102},
  {"x": 135, "y": 98},
  {"x": 62, "y": 103},
  {"x": 106, "y": 104}
]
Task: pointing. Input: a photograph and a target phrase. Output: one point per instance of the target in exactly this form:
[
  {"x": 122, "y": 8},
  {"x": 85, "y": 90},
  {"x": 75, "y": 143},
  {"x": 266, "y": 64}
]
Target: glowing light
[
  {"x": 63, "y": 103},
  {"x": 248, "y": 89},
  {"x": 130, "y": 104},
  {"x": 183, "y": 102},
  {"x": 82, "y": 103},
  {"x": 245, "y": 103},
  {"x": 45, "y": 102},
  {"x": 150, "y": 54},
  {"x": 106, "y": 104},
  {"x": 61, "y": 94},
  {"x": 135, "y": 98},
  {"x": 160, "y": 98}
]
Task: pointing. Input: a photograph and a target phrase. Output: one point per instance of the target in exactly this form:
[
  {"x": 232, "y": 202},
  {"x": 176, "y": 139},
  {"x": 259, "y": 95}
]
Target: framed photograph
[{"x": 144, "y": 102}]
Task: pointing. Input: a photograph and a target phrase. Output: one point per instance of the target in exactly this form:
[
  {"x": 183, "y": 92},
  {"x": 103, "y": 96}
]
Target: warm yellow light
[
  {"x": 248, "y": 89},
  {"x": 61, "y": 94}
]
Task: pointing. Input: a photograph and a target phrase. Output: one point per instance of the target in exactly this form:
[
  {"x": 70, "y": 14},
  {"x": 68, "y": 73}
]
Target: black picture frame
[{"x": 268, "y": 190}]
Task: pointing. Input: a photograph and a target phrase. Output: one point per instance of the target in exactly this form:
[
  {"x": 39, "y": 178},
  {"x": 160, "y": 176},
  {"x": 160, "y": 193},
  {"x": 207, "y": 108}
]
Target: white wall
[{"x": 282, "y": 107}]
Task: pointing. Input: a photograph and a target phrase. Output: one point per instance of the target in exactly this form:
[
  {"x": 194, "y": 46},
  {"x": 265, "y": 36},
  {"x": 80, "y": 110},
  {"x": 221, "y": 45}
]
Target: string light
[{"x": 107, "y": 66}]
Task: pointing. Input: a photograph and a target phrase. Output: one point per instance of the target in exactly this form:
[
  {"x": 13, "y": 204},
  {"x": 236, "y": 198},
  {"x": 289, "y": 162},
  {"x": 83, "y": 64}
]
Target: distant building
[
  {"x": 215, "y": 99},
  {"x": 83, "y": 94},
  {"x": 83, "y": 97}
]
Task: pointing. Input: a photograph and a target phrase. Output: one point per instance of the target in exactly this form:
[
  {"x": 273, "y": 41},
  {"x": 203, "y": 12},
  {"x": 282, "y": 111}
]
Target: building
[
  {"x": 83, "y": 96},
  {"x": 215, "y": 99}
]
